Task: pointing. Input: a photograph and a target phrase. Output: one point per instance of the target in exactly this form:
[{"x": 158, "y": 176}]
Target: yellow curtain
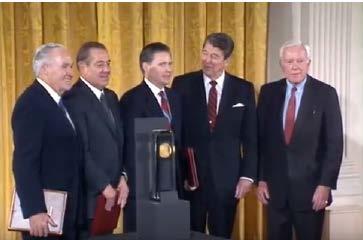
[{"x": 125, "y": 28}]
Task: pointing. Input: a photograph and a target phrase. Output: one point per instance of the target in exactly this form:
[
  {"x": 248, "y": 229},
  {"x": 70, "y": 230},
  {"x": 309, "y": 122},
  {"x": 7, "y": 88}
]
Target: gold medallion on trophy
[{"x": 165, "y": 150}]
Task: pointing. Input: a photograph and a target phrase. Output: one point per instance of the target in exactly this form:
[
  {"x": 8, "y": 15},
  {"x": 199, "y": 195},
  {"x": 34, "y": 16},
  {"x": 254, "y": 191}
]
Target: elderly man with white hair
[
  {"x": 301, "y": 145},
  {"x": 47, "y": 152}
]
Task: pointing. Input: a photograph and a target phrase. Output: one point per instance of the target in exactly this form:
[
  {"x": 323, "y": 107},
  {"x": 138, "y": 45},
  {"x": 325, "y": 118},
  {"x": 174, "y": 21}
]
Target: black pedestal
[
  {"x": 166, "y": 219},
  {"x": 159, "y": 212}
]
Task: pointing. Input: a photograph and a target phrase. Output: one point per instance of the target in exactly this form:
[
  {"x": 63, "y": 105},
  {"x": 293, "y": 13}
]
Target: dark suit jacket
[
  {"x": 103, "y": 143},
  {"x": 314, "y": 154},
  {"x": 230, "y": 152},
  {"x": 140, "y": 102},
  {"x": 47, "y": 153}
]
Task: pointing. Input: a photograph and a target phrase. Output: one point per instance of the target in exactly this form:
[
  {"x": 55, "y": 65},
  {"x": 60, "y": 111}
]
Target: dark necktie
[
  {"x": 107, "y": 109},
  {"x": 212, "y": 105},
  {"x": 290, "y": 116},
  {"x": 64, "y": 109},
  {"x": 165, "y": 107}
]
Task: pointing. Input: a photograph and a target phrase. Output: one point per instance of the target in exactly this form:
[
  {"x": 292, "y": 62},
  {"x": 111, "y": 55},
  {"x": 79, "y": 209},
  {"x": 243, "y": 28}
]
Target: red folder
[
  {"x": 104, "y": 221},
  {"x": 192, "y": 169}
]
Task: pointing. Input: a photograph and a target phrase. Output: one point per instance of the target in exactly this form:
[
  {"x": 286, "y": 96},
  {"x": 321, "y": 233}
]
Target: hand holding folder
[
  {"x": 55, "y": 202},
  {"x": 105, "y": 221}
]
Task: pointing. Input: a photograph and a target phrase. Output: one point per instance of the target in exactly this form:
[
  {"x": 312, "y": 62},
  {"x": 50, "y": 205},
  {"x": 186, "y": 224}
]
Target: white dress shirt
[
  {"x": 298, "y": 95},
  {"x": 155, "y": 90},
  {"x": 219, "y": 87},
  {"x": 95, "y": 90},
  {"x": 55, "y": 96}
]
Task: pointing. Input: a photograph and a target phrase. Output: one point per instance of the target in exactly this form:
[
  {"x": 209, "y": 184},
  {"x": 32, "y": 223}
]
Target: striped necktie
[
  {"x": 290, "y": 116},
  {"x": 165, "y": 107},
  {"x": 212, "y": 105}
]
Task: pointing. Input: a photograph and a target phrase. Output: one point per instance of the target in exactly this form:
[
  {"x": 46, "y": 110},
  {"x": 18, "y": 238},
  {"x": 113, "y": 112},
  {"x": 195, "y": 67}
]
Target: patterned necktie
[
  {"x": 165, "y": 107},
  {"x": 107, "y": 109},
  {"x": 212, "y": 105},
  {"x": 64, "y": 109},
  {"x": 290, "y": 116}
]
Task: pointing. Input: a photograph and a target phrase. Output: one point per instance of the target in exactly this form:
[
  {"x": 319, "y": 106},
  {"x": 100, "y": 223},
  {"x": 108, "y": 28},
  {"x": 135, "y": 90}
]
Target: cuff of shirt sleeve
[
  {"x": 246, "y": 178},
  {"x": 124, "y": 174}
]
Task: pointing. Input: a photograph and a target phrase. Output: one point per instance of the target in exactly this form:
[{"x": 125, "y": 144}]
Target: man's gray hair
[
  {"x": 41, "y": 56},
  {"x": 294, "y": 43}
]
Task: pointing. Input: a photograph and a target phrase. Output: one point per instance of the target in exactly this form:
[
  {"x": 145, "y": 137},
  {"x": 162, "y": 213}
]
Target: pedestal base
[
  {"x": 166, "y": 219},
  {"x": 133, "y": 236}
]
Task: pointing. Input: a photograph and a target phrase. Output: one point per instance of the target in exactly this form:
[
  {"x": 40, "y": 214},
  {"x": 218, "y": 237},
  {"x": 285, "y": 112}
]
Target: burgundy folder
[
  {"x": 192, "y": 169},
  {"x": 104, "y": 221}
]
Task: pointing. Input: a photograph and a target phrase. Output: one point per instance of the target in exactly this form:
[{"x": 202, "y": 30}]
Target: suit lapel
[
  {"x": 152, "y": 107},
  {"x": 52, "y": 103},
  {"x": 114, "y": 110},
  {"x": 173, "y": 107},
  {"x": 172, "y": 104},
  {"x": 305, "y": 105},
  {"x": 280, "y": 101},
  {"x": 227, "y": 96},
  {"x": 96, "y": 105},
  {"x": 199, "y": 98}
]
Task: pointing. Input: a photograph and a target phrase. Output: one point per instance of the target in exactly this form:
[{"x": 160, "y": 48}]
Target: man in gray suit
[{"x": 96, "y": 111}]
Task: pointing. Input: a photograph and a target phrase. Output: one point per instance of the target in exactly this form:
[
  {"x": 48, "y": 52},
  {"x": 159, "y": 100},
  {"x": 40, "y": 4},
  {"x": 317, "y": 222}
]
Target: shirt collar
[
  {"x": 299, "y": 86},
  {"x": 219, "y": 80},
  {"x": 56, "y": 97},
  {"x": 155, "y": 90},
  {"x": 95, "y": 90}
]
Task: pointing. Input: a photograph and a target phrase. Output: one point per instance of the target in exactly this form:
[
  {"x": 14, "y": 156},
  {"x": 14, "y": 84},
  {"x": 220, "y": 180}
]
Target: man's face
[
  {"x": 159, "y": 70},
  {"x": 295, "y": 64},
  {"x": 97, "y": 71},
  {"x": 213, "y": 62},
  {"x": 58, "y": 70}
]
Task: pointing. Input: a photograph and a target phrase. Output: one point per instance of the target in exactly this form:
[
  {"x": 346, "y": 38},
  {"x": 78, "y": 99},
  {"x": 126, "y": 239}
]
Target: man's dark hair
[
  {"x": 222, "y": 41},
  {"x": 83, "y": 52},
  {"x": 148, "y": 51}
]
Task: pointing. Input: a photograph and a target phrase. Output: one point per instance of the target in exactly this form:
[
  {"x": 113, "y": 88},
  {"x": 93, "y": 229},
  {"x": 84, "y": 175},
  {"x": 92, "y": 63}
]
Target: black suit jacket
[
  {"x": 47, "y": 153},
  {"x": 103, "y": 142},
  {"x": 230, "y": 151},
  {"x": 314, "y": 154},
  {"x": 140, "y": 102}
]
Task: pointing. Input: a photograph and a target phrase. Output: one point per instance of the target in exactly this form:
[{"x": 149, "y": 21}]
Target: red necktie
[
  {"x": 290, "y": 116},
  {"x": 165, "y": 105},
  {"x": 212, "y": 105}
]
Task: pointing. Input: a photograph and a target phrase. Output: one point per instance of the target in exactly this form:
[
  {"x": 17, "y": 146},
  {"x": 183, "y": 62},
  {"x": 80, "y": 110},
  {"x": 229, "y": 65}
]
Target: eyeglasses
[
  {"x": 102, "y": 65},
  {"x": 299, "y": 61}
]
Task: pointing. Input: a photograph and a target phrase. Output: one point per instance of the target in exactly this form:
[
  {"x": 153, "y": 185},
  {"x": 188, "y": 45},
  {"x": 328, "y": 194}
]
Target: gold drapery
[{"x": 125, "y": 28}]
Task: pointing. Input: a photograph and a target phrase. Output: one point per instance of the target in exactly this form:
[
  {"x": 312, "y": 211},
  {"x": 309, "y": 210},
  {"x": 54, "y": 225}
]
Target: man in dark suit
[
  {"x": 96, "y": 111},
  {"x": 301, "y": 144},
  {"x": 151, "y": 98},
  {"x": 219, "y": 123},
  {"x": 47, "y": 152}
]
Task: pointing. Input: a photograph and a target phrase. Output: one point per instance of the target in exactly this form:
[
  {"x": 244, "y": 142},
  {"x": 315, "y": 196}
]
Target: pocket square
[{"x": 238, "y": 105}]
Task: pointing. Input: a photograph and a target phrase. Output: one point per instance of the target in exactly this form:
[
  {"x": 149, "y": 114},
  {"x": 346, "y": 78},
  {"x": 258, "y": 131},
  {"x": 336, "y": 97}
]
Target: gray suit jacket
[{"x": 103, "y": 141}]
